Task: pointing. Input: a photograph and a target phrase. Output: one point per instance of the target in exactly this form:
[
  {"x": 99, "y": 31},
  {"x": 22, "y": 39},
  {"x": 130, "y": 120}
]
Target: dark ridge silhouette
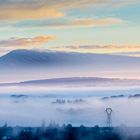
[
  {"x": 68, "y": 132},
  {"x": 77, "y": 81}
]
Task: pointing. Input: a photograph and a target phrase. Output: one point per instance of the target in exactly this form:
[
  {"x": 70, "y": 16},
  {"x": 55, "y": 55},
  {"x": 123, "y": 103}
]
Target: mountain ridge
[
  {"x": 21, "y": 65},
  {"x": 33, "y": 57},
  {"x": 76, "y": 81}
]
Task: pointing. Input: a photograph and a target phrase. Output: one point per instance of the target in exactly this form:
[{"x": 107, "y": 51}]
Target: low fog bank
[{"x": 89, "y": 111}]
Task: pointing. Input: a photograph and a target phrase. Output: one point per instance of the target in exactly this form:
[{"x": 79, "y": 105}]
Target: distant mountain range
[
  {"x": 78, "y": 82},
  {"x": 21, "y": 65},
  {"x": 32, "y": 58}
]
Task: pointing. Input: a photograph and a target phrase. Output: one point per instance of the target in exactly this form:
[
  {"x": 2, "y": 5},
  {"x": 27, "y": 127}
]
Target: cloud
[
  {"x": 89, "y": 23},
  {"x": 14, "y": 42},
  {"x": 129, "y": 50},
  {"x": 24, "y": 14},
  {"x": 42, "y": 9},
  {"x": 93, "y": 47},
  {"x": 70, "y": 23}
]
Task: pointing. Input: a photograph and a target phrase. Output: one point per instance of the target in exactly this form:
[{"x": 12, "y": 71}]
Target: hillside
[
  {"x": 78, "y": 82},
  {"x": 22, "y": 65}
]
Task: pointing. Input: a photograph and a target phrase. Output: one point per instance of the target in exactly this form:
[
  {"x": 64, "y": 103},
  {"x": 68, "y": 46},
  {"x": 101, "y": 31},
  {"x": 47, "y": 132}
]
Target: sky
[{"x": 93, "y": 26}]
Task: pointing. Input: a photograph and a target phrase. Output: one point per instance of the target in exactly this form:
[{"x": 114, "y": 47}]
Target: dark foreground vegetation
[{"x": 69, "y": 133}]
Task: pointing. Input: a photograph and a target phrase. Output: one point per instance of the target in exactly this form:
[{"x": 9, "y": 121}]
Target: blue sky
[{"x": 56, "y": 24}]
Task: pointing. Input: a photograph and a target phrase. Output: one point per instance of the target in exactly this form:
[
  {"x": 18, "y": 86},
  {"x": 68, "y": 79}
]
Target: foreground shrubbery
[{"x": 69, "y": 133}]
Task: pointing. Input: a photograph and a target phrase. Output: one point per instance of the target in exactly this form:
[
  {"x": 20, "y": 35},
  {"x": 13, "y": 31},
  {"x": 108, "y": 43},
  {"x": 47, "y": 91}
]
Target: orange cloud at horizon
[
  {"x": 130, "y": 50},
  {"x": 14, "y": 42}
]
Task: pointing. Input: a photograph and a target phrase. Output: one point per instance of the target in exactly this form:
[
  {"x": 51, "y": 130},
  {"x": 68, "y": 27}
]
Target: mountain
[
  {"x": 78, "y": 82},
  {"x": 32, "y": 58},
  {"x": 21, "y": 65}
]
